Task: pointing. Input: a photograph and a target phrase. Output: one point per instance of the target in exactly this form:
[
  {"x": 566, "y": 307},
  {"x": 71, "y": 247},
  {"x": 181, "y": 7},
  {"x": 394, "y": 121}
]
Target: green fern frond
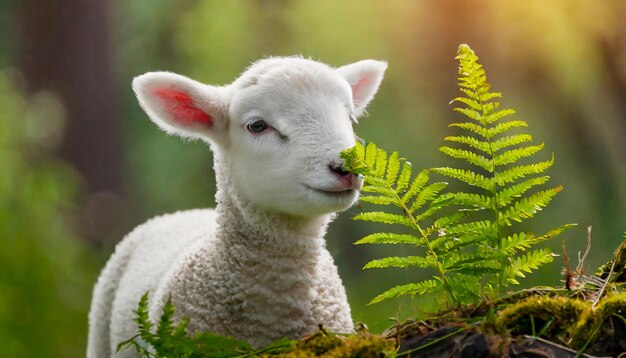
[
  {"x": 510, "y": 141},
  {"x": 466, "y": 286},
  {"x": 482, "y": 227},
  {"x": 390, "y": 238},
  {"x": 426, "y": 214},
  {"x": 427, "y": 194},
  {"x": 393, "y": 168},
  {"x": 142, "y": 318},
  {"x": 420, "y": 288},
  {"x": 489, "y": 96},
  {"x": 522, "y": 241},
  {"x": 469, "y": 94},
  {"x": 371, "y": 187},
  {"x": 470, "y": 141},
  {"x": 395, "y": 187},
  {"x": 505, "y": 196},
  {"x": 470, "y": 112},
  {"x": 467, "y": 199},
  {"x": 465, "y": 234},
  {"x": 381, "y": 163},
  {"x": 371, "y": 153},
  {"x": 478, "y": 258},
  {"x": 503, "y": 127},
  {"x": 380, "y": 200},
  {"x": 172, "y": 340},
  {"x": 472, "y": 102},
  {"x": 385, "y": 218},
  {"x": 477, "y": 269},
  {"x": 496, "y": 116},
  {"x": 416, "y": 261},
  {"x": 472, "y": 127},
  {"x": 527, "y": 207},
  {"x": 517, "y": 242},
  {"x": 166, "y": 324},
  {"x": 513, "y": 174},
  {"x": 470, "y": 157},
  {"x": 416, "y": 186},
  {"x": 513, "y": 155},
  {"x": 466, "y": 176},
  {"x": 405, "y": 177},
  {"x": 526, "y": 264},
  {"x": 449, "y": 220},
  {"x": 468, "y": 238}
]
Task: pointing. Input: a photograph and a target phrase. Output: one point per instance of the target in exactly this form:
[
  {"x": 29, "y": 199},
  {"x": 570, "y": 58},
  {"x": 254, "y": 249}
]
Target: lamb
[{"x": 256, "y": 267}]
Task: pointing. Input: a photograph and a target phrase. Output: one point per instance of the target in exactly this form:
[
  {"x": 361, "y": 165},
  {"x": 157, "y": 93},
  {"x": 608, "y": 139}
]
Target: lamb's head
[{"x": 282, "y": 125}]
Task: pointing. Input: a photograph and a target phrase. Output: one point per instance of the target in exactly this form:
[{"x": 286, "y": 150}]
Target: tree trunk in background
[{"x": 64, "y": 46}]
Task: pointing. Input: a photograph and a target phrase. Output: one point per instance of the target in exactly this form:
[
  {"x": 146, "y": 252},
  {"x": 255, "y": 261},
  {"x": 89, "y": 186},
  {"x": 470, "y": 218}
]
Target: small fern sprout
[{"x": 170, "y": 339}]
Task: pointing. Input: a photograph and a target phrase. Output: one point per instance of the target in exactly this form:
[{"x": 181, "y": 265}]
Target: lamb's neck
[{"x": 242, "y": 226}]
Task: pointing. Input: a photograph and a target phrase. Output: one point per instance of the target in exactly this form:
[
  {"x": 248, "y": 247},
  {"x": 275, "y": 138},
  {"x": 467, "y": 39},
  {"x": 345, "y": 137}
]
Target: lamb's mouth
[{"x": 334, "y": 193}]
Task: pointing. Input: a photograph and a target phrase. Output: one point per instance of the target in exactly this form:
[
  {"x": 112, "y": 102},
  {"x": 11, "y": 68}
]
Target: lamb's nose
[{"x": 339, "y": 169}]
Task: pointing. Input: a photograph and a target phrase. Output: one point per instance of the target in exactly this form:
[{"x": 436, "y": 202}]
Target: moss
[
  {"x": 603, "y": 330},
  {"x": 316, "y": 345},
  {"x": 492, "y": 324},
  {"x": 552, "y": 317},
  {"x": 324, "y": 344},
  {"x": 365, "y": 346}
]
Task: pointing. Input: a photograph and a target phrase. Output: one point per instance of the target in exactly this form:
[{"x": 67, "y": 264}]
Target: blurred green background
[{"x": 80, "y": 163}]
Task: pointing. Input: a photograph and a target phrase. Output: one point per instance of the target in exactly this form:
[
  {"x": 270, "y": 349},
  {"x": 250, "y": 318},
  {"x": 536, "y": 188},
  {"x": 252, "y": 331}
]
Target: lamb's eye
[{"x": 257, "y": 126}]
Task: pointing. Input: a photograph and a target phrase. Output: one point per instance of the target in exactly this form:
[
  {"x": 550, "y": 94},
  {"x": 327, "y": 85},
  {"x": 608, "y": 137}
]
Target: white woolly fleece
[{"x": 256, "y": 267}]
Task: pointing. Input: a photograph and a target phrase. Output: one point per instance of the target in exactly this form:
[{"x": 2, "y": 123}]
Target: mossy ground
[
  {"x": 325, "y": 344},
  {"x": 584, "y": 319},
  {"x": 535, "y": 325}
]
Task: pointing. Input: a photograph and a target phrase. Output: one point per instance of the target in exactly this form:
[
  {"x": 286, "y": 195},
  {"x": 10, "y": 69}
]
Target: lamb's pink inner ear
[
  {"x": 181, "y": 108},
  {"x": 358, "y": 87}
]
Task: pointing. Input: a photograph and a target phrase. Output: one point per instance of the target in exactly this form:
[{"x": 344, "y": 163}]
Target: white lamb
[{"x": 256, "y": 267}]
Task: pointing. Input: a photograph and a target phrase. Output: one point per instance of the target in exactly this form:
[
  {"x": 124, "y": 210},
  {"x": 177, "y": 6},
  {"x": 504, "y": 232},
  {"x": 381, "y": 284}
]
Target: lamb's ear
[
  {"x": 364, "y": 77},
  {"x": 182, "y": 106}
]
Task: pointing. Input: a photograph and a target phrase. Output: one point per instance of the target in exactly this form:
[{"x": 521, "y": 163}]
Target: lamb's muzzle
[
  {"x": 256, "y": 267},
  {"x": 347, "y": 180}
]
